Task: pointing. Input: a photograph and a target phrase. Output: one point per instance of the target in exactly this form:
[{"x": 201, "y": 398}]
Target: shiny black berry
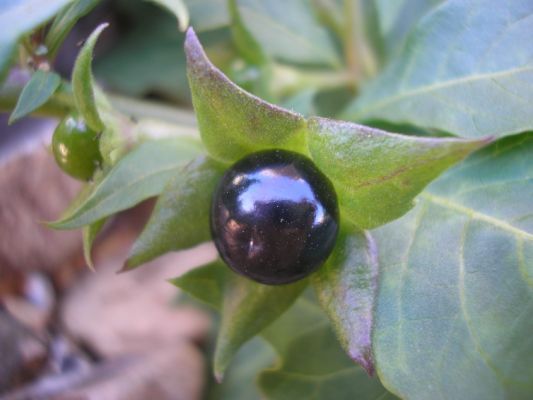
[{"x": 274, "y": 217}]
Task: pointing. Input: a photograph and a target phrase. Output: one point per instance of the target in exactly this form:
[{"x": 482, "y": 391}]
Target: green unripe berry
[{"x": 75, "y": 147}]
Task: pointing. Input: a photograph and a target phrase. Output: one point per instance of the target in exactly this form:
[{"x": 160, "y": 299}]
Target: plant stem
[
  {"x": 141, "y": 109},
  {"x": 288, "y": 80},
  {"x": 359, "y": 56}
]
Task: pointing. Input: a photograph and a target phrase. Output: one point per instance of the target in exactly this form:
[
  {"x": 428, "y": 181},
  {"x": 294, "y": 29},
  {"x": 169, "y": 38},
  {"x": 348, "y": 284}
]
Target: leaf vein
[
  {"x": 447, "y": 203},
  {"x": 442, "y": 85}
]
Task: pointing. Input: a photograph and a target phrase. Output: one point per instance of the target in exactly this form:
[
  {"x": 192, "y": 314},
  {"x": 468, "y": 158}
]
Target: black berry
[{"x": 274, "y": 217}]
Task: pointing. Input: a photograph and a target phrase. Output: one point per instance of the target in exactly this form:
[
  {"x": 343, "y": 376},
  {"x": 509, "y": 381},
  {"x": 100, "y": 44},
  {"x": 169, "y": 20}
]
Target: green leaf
[
  {"x": 178, "y": 8},
  {"x": 302, "y": 102},
  {"x": 239, "y": 380},
  {"x": 467, "y": 69},
  {"x": 208, "y": 14},
  {"x": 181, "y": 216},
  {"x": 248, "y": 47},
  {"x": 312, "y": 364},
  {"x": 288, "y": 31},
  {"x": 161, "y": 69},
  {"x": 248, "y": 308},
  {"x": 65, "y": 21},
  {"x": 455, "y": 302},
  {"x": 18, "y": 17},
  {"x": 346, "y": 287},
  {"x": 141, "y": 174},
  {"x": 36, "y": 92},
  {"x": 310, "y": 358},
  {"x": 89, "y": 233},
  {"x": 83, "y": 85},
  {"x": 378, "y": 174},
  {"x": 397, "y": 18},
  {"x": 233, "y": 122},
  {"x": 331, "y": 14},
  {"x": 205, "y": 283}
]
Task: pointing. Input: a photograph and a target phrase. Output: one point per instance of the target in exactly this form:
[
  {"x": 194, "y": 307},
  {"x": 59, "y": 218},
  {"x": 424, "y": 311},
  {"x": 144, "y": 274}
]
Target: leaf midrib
[
  {"x": 448, "y": 203},
  {"x": 437, "y": 86}
]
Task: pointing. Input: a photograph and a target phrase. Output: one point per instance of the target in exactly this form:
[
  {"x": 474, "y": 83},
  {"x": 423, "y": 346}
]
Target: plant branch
[
  {"x": 288, "y": 80},
  {"x": 359, "y": 56},
  {"x": 141, "y": 109}
]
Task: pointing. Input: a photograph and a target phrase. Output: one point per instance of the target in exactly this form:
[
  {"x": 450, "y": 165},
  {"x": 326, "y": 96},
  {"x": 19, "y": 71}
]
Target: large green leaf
[
  {"x": 455, "y": 305},
  {"x": 18, "y": 17},
  {"x": 141, "y": 174},
  {"x": 312, "y": 364},
  {"x": 160, "y": 71},
  {"x": 208, "y": 14},
  {"x": 397, "y": 18},
  {"x": 302, "y": 102},
  {"x": 288, "y": 31},
  {"x": 36, "y": 92},
  {"x": 205, "y": 283},
  {"x": 466, "y": 69},
  {"x": 248, "y": 47},
  {"x": 247, "y": 309},
  {"x": 346, "y": 287},
  {"x": 83, "y": 82},
  {"x": 181, "y": 216},
  {"x": 65, "y": 21},
  {"x": 240, "y": 378},
  {"x": 178, "y": 8},
  {"x": 332, "y": 14},
  {"x": 378, "y": 174},
  {"x": 233, "y": 122}
]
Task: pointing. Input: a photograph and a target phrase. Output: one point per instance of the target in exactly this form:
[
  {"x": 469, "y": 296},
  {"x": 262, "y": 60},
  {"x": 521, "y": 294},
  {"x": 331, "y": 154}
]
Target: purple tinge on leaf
[{"x": 346, "y": 287}]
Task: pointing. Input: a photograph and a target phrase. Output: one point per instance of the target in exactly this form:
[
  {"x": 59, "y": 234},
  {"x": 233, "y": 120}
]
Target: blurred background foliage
[{"x": 299, "y": 55}]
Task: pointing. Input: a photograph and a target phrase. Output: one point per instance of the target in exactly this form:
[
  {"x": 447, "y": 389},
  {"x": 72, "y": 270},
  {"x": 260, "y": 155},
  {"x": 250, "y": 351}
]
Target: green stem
[
  {"x": 358, "y": 54},
  {"x": 141, "y": 109},
  {"x": 288, "y": 80}
]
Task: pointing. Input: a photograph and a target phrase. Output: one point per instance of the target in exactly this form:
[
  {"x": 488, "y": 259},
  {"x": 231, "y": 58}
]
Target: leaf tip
[
  {"x": 135, "y": 259},
  {"x": 51, "y": 224},
  {"x": 60, "y": 224},
  {"x": 127, "y": 266},
  {"x": 100, "y": 28},
  {"x": 191, "y": 39},
  {"x": 485, "y": 141},
  {"x": 194, "y": 51},
  {"x": 12, "y": 119},
  {"x": 365, "y": 360}
]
